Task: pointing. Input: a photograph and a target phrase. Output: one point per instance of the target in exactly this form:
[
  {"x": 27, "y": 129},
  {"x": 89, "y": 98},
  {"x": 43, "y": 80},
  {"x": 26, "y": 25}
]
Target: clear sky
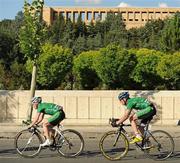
[{"x": 9, "y": 8}]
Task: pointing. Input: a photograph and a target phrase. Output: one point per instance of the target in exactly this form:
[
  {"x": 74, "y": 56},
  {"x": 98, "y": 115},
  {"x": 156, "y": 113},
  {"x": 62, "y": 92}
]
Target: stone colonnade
[{"x": 133, "y": 17}]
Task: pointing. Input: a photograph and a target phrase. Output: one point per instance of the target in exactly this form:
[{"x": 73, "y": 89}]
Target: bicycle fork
[
  {"x": 116, "y": 140},
  {"x": 29, "y": 141}
]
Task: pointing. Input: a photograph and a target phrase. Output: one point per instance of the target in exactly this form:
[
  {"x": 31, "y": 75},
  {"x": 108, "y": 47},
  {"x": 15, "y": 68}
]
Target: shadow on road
[
  {"x": 175, "y": 156},
  {"x": 8, "y": 152},
  {"x": 88, "y": 154}
]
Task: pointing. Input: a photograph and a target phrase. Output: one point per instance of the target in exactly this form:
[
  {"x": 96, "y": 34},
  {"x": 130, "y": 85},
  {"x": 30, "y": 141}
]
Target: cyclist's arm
[
  {"x": 41, "y": 117},
  {"x": 36, "y": 118},
  {"x": 124, "y": 117}
]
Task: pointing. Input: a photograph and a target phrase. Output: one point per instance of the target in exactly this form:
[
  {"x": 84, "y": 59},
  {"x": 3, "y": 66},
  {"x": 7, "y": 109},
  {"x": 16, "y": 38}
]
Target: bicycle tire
[
  {"x": 161, "y": 145},
  {"x": 26, "y": 136},
  {"x": 68, "y": 143},
  {"x": 108, "y": 150}
]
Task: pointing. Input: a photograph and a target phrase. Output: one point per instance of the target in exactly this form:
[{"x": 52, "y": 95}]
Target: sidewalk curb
[{"x": 9, "y": 131}]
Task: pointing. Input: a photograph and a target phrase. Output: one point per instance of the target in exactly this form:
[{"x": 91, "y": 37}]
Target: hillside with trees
[{"x": 101, "y": 55}]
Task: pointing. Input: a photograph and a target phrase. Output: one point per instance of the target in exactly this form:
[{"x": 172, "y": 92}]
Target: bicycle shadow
[
  {"x": 8, "y": 152},
  {"x": 85, "y": 153},
  {"x": 175, "y": 155}
]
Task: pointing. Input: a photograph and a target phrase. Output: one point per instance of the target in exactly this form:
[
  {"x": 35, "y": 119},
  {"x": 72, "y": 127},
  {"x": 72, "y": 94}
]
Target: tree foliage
[
  {"x": 170, "y": 40},
  {"x": 54, "y": 63},
  {"x": 145, "y": 72},
  {"x": 114, "y": 65},
  {"x": 32, "y": 32},
  {"x": 84, "y": 71},
  {"x": 106, "y": 54},
  {"x": 169, "y": 69}
]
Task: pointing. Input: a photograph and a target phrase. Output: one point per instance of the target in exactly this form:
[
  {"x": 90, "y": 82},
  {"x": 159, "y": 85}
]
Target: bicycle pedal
[{"x": 52, "y": 148}]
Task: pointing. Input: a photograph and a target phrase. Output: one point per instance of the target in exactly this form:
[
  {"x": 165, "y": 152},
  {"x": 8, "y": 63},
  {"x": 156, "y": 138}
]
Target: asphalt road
[{"x": 91, "y": 154}]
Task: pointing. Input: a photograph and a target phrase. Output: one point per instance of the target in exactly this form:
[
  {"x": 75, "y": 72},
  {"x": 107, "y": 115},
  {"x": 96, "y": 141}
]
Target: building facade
[{"x": 133, "y": 17}]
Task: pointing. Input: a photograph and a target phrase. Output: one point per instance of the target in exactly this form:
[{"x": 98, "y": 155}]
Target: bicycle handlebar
[
  {"x": 28, "y": 123},
  {"x": 113, "y": 120}
]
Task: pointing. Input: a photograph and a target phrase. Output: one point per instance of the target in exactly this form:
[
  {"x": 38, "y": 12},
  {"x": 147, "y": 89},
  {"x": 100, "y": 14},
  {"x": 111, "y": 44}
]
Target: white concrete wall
[{"x": 89, "y": 107}]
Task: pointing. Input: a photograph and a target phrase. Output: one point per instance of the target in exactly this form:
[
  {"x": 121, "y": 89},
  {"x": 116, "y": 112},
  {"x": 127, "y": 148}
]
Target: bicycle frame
[{"x": 146, "y": 132}]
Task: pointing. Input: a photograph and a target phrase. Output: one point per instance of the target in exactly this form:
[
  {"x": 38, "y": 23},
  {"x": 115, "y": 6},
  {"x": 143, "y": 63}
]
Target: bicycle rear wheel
[
  {"x": 159, "y": 145},
  {"x": 27, "y": 143},
  {"x": 111, "y": 150},
  {"x": 71, "y": 144}
]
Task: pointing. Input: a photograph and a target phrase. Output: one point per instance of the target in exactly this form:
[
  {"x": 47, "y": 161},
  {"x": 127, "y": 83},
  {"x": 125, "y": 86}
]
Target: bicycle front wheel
[
  {"x": 159, "y": 145},
  {"x": 114, "y": 145},
  {"x": 70, "y": 144},
  {"x": 27, "y": 143}
]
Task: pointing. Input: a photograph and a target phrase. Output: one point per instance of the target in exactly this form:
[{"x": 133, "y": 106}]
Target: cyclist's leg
[
  {"x": 138, "y": 136},
  {"x": 145, "y": 116},
  {"x": 49, "y": 123},
  {"x": 133, "y": 118},
  {"x": 46, "y": 128},
  {"x": 56, "y": 118}
]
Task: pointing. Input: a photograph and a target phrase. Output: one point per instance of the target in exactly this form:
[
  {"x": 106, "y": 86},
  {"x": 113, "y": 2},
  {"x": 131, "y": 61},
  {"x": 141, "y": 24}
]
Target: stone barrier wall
[{"x": 89, "y": 107}]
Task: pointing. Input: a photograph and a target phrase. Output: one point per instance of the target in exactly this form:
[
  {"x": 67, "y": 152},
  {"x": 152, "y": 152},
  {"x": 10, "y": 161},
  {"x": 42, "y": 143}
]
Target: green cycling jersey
[
  {"x": 137, "y": 103},
  {"x": 48, "y": 108}
]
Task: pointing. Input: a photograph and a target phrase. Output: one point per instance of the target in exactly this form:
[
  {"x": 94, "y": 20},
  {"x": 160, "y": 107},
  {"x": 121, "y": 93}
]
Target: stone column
[
  {"x": 161, "y": 15},
  {"x": 133, "y": 16},
  {"x": 141, "y": 16},
  {"x": 127, "y": 16},
  {"x": 86, "y": 17},
  {"x": 73, "y": 16},
  {"x": 93, "y": 16},
  {"x": 65, "y": 15},
  {"x": 154, "y": 15}
]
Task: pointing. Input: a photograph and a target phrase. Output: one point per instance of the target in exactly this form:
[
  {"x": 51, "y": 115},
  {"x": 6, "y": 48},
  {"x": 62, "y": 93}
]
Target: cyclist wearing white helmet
[
  {"x": 144, "y": 111},
  {"x": 56, "y": 112}
]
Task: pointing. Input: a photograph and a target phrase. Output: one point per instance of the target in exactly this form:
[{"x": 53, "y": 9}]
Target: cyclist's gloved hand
[
  {"x": 113, "y": 121},
  {"x": 114, "y": 124}
]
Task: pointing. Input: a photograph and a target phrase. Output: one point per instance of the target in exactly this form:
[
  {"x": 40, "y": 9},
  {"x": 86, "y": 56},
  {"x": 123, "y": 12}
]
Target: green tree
[
  {"x": 54, "y": 64},
  {"x": 114, "y": 66},
  {"x": 83, "y": 69},
  {"x": 94, "y": 42},
  {"x": 145, "y": 73},
  {"x": 150, "y": 34},
  {"x": 18, "y": 21},
  {"x": 169, "y": 69},
  {"x": 116, "y": 31},
  {"x": 20, "y": 78},
  {"x": 133, "y": 36},
  {"x": 7, "y": 43},
  {"x": 91, "y": 29},
  {"x": 170, "y": 38},
  {"x": 80, "y": 45},
  {"x": 2, "y": 76},
  {"x": 69, "y": 34},
  {"x": 56, "y": 31},
  {"x": 31, "y": 37},
  {"x": 80, "y": 28}
]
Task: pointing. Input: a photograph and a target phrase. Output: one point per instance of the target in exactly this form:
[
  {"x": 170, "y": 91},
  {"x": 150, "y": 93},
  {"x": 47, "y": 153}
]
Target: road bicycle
[
  {"x": 158, "y": 144},
  {"x": 68, "y": 143}
]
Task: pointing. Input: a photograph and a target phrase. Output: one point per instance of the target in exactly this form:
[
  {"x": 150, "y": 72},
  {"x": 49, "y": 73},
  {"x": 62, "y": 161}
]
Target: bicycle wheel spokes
[
  {"x": 111, "y": 149},
  {"x": 70, "y": 144},
  {"x": 160, "y": 145},
  {"x": 28, "y": 143}
]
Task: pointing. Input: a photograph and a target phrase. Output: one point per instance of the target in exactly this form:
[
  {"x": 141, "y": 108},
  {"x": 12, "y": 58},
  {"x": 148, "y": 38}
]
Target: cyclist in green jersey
[
  {"x": 136, "y": 108},
  {"x": 57, "y": 115}
]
